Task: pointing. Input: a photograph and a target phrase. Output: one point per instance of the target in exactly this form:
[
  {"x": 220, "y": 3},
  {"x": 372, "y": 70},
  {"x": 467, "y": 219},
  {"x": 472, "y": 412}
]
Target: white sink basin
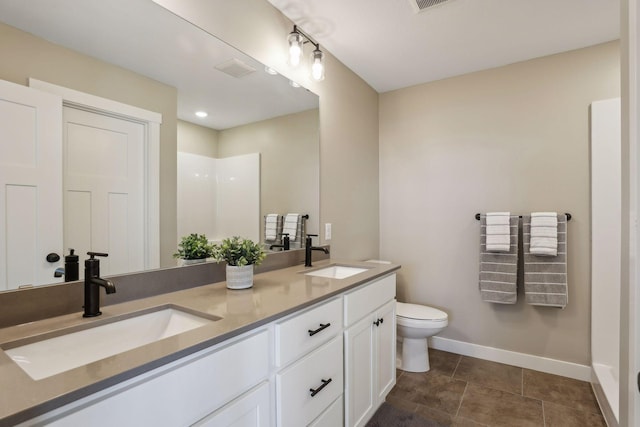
[
  {"x": 61, "y": 353},
  {"x": 337, "y": 272}
]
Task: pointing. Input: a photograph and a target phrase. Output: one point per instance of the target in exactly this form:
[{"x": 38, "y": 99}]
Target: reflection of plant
[
  {"x": 238, "y": 252},
  {"x": 194, "y": 246}
]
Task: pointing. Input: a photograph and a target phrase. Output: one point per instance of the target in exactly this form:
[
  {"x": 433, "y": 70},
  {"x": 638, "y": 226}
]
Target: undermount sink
[
  {"x": 336, "y": 272},
  {"x": 75, "y": 348}
]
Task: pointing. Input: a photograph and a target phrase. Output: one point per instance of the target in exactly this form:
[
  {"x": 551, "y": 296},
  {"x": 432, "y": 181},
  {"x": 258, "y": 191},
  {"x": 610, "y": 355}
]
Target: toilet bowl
[{"x": 415, "y": 323}]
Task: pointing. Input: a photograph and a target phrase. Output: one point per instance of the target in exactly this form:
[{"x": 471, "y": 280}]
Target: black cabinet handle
[
  {"x": 321, "y": 328},
  {"x": 381, "y": 320},
  {"x": 377, "y": 323},
  {"x": 319, "y": 389}
]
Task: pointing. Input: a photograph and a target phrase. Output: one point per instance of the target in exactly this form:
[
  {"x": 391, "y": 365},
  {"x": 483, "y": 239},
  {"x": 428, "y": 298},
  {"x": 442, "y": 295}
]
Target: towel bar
[{"x": 566, "y": 213}]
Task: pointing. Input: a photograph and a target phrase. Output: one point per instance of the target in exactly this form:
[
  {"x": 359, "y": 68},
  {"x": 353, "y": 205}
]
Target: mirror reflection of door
[
  {"x": 103, "y": 188},
  {"x": 30, "y": 185}
]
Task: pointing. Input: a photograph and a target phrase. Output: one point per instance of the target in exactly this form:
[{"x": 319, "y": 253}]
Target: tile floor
[{"x": 465, "y": 391}]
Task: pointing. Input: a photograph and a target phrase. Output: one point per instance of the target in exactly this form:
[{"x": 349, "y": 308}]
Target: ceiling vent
[
  {"x": 422, "y": 5},
  {"x": 235, "y": 68}
]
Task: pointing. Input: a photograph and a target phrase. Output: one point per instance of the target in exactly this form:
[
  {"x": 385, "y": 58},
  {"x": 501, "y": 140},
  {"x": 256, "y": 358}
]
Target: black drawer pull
[
  {"x": 378, "y": 322},
  {"x": 321, "y": 328},
  {"x": 319, "y": 389}
]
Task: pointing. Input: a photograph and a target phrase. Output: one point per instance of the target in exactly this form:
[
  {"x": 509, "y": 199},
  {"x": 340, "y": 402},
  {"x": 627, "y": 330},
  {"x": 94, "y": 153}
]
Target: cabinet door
[
  {"x": 359, "y": 372},
  {"x": 249, "y": 410},
  {"x": 332, "y": 417},
  {"x": 385, "y": 350}
]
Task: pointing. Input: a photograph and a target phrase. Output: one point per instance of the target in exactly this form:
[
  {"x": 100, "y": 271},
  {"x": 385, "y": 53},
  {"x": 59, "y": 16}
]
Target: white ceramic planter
[{"x": 239, "y": 277}]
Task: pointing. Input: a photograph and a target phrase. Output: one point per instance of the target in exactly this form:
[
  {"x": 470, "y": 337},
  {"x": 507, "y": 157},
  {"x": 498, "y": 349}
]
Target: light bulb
[
  {"x": 295, "y": 48},
  {"x": 317, "y": 65}
]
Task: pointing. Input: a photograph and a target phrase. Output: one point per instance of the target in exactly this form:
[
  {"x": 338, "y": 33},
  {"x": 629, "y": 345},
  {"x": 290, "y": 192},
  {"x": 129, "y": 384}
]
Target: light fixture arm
[{"x": 303, "y": 34}]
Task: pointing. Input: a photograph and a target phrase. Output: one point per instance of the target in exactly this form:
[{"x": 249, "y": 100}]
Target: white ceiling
[
  {"x": 391, "y": 46},
  {"x": 143, "y": 37}
]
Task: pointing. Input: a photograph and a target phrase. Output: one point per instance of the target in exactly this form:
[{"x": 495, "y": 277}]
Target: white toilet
[{"x": 415, "y": 324}]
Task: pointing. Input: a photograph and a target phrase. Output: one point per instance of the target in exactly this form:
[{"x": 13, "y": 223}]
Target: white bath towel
[
  {"x": 544, "y": 233},
  {"x": 498, "y": 232},
  {"x": 291, "y": 226}
]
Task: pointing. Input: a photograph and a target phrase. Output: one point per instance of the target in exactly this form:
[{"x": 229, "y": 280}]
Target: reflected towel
[
  {"x": 499, "y": 270},
  {"x": 291, "y": 225},
  {"x": 272, "y": 227}
]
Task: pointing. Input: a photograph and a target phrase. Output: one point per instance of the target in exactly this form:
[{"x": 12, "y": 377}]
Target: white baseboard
[{"x": 522, "y": 360}]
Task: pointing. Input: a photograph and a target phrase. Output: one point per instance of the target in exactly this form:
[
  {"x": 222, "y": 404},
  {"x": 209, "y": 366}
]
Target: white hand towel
[
  {"x": 498, "y": 243},
  {"x": 498, "y": 229},
  {"x": 498, "y": 218},
  {"x": 544, "y": 233},
  {"x": 498, "y": 232}
]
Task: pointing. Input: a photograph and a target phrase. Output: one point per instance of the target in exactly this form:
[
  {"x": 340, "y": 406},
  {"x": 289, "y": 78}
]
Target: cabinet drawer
[
  {"x": 332, "y": 417},
  {"x": 302, "y": 333},
  {"x": 295, "y": 405},
  {"x": 367, "y": 298}
]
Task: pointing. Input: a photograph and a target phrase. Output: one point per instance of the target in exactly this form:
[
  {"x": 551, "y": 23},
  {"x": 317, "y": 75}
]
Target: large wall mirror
[{"x": 139, "y": 55}]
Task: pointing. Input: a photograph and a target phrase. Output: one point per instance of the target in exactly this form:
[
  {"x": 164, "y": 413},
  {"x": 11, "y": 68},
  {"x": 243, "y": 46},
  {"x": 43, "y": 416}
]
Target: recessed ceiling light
[
  {"x": 201, "y": 114},
  {"x": 294, "y": 84},
  {"x": 270, "y": 70}
]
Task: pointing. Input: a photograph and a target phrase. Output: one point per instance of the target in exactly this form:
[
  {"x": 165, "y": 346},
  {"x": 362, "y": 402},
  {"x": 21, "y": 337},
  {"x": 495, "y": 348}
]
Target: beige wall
[
  {"x": 24, "y": 56},
  {"x": 348, "y": 117},
  {"x": 515, "y": 138},
  {"x": 289, "y": 162},
  {"x": 197, "y": 139}
]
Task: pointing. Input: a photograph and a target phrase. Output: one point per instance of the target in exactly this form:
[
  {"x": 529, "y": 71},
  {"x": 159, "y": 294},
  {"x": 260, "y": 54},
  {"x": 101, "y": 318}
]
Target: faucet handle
[{"x": 94, "y": 254}]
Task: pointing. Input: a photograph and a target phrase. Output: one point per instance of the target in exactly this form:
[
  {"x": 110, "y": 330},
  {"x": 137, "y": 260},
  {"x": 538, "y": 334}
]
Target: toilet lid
[{"x": 420, "y": 312}]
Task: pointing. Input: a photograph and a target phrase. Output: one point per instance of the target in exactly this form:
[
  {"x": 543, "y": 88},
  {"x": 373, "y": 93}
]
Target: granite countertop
[{"x": 274, "y": 294}]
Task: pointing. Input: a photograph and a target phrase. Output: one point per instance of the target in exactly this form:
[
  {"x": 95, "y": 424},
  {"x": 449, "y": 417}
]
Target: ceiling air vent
[
  {"x": 235, "y": 68},
  {"x": 421, "y": 5}
]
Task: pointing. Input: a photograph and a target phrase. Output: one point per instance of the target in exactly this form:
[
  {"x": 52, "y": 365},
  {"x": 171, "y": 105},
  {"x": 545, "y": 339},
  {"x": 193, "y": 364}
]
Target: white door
[
  {"x": 30, "y": 185},
  {"x": 104, "y": 188}
]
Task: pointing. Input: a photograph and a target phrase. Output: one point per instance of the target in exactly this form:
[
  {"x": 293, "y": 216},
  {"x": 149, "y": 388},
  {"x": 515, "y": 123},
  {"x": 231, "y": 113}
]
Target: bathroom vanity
[{"x": 305, "y": 346}]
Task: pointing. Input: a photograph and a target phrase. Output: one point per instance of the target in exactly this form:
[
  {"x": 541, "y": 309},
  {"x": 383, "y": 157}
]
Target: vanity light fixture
[
  {"x": 296, "y": 40},
  {"x": 201, "y": 114}
]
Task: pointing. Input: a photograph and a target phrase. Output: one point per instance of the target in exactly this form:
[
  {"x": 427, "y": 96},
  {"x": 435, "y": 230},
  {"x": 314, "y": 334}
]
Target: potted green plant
[
  {"x": 241, "y": 255},
  {"x": 194, "y": 248}
]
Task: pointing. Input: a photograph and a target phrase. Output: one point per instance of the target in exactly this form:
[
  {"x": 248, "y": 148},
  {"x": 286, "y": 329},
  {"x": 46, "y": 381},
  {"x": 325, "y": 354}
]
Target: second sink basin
[
  {"x": 337, "y": 272},
  {"x": 50, "y": 356}
]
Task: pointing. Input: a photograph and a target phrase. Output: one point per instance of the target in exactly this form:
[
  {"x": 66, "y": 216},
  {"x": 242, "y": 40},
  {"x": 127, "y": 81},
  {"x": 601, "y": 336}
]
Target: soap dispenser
[{"x": 71, "y": 267}]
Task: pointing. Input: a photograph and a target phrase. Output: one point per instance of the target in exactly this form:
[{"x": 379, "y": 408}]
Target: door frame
[{"x": 151, "y": 122}]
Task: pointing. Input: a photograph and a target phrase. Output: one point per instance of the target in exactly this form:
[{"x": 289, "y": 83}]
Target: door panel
[
  {"x": 30, "y": 185},
  {"x": 104, "y": 188}
]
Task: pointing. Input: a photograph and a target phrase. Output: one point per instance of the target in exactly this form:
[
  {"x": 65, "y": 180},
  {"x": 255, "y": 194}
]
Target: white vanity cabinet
[
  {"x": 206, "y": 386},
  {"x": 309, "y": 354},
  {"x": 370, "y": 344},
  {"x": 327, "y": 365}
]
